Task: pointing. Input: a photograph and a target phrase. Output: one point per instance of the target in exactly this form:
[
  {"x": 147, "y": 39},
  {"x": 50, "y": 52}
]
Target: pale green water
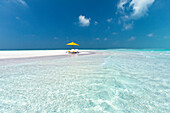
[{"x": 136, "y": 81}]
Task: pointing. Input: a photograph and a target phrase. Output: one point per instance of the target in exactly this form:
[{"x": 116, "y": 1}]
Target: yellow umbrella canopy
[{"x": 73, "y": 44}]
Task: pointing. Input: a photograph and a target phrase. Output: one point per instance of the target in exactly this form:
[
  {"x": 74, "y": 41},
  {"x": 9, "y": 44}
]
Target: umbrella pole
[{"x": 72, "y": 46}]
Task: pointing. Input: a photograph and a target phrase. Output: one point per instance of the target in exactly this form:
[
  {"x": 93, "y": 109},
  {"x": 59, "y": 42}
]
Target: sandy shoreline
[{"x": 37, "y": 53}]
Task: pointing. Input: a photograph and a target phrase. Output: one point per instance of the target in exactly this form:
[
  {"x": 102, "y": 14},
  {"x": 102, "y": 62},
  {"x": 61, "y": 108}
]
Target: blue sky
[{"x": 36, "y": 24}]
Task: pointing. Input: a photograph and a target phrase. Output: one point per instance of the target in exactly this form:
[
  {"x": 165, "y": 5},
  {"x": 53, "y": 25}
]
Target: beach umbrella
[{"x": 73, "y": 44}]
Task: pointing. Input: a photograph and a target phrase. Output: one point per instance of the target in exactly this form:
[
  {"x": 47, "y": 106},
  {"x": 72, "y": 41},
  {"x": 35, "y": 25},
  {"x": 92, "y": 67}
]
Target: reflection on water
[{"x": 116, "y": 81}]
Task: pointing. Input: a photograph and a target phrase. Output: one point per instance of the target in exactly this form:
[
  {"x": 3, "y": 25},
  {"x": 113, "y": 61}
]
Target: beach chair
[
  {"x": 68, "y": 51},
  {"x": 77, "y": 51},
  {"x": 73, "y": 51}
]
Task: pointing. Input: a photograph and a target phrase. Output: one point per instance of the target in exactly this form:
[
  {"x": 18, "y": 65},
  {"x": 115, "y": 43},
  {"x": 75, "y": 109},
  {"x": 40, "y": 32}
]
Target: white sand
[{"x": 34, "y": 53}]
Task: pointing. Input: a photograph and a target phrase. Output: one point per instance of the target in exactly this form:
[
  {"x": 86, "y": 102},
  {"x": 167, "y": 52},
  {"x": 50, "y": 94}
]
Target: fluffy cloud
[
  {"x": 97, "y": 38},
  {"x": 150, "y": 35},
  {"x": 109, "y": 20},
  {"x": 140, "y": 7},
  {"x": 83, "y": 21},
  {"x": 132, "y": 38},
  {"x": 22, "y": 2},
  {"x": 18, "y": 18},
  {"x": 16, "y": 2},
  {"x": 133, "y": 9},
  {"x": 95, "y": 23},
  {"x": 128, "y": 26},
  {"x": 105, "y": 39},
  {"x": 121, "y": 4}
]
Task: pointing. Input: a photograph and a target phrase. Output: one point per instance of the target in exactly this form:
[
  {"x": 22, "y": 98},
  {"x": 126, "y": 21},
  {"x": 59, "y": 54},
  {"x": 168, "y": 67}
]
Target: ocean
[{"x": 110, "y": 81}]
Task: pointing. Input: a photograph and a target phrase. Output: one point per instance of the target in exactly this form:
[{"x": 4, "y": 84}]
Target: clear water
[{"x": 121, "y": 81}]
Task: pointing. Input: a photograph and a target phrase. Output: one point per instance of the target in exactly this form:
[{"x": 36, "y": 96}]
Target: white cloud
[
  {"x": 132, "y": 38},
  {"x": 97, "y": 38},
  {"x": 95, "y": 23},
  {"x": 139, "y": 7},
  {"x": 131, "y": 10},
  {"x": 17, "y": 2},
  {"x": 22, "y": 2},
  {"x": 121, "y": 4},
  {"x": 105, "y": 38},
  {"x": 128, "y": 26},
  {"x": 18, "y": 18},
  {"x": 83, "y": 21},
  {"x": 150, "y": 35},
  {"x": 109, "y": 20}
]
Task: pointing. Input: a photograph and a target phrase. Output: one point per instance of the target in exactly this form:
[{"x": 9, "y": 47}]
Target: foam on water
[{"x": 116, "y": 81}]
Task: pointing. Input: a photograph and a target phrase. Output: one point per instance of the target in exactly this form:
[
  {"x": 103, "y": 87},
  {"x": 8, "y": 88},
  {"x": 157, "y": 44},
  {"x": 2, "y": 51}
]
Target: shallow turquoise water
[{"x": 136, "y": 81}]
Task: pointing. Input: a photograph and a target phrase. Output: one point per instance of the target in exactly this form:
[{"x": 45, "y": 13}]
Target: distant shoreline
[{"x": 82, "y": 49}]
